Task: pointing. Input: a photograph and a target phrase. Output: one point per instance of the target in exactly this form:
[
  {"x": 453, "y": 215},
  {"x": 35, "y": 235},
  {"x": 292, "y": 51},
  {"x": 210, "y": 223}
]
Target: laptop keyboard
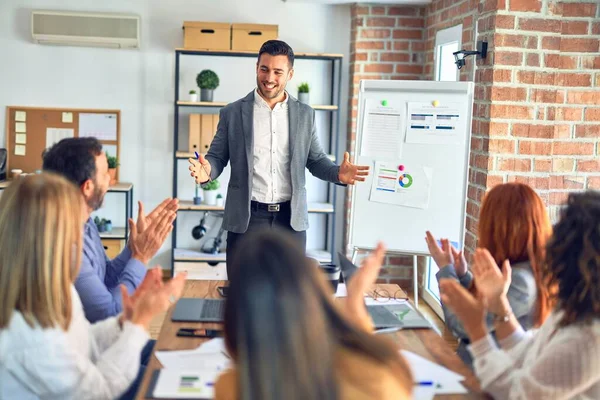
[
  {"x": 383, "y": 318},
  {"x": 213, "y": 309}
]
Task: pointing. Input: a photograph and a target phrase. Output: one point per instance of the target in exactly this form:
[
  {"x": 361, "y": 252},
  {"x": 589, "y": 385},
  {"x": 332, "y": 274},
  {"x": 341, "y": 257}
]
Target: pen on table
[
  {"x": 388, "y": 330},
  {"x": 424, "y": 383},
  {"x": 202, "y": 165}
]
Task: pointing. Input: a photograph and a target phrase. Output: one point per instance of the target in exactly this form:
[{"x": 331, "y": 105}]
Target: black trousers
[{"x": 262, "y": 219}]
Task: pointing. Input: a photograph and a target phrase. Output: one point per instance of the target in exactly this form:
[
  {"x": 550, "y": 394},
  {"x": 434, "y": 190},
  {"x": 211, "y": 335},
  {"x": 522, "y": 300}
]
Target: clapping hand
[
  {"x": 446, "y": 254},
  {"x": 469, "y": 309},
  {"x": 492, "y": 283}
]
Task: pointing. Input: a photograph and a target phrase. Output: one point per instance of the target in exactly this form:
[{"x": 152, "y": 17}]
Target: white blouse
[
  {"x": 550, "y": 363},
  {"x": 98, "y": 361}
]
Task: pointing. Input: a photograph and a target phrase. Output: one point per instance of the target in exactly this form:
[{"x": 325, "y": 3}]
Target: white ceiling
[{"x": 395, "y": 2}]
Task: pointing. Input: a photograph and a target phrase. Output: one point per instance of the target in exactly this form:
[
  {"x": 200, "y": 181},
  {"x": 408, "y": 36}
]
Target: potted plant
[
  {"x": 113, "y": 163},
  {"x": 210, "y": 192},
  {"x": 220, "y": 200},
  {"x": 303, "y": 90},
  {"x": 197, "y": 198},
  {"x": 103, "y": 225},
  {"x": 193, "y": 96},
  {"x": 207, "y": 81}
]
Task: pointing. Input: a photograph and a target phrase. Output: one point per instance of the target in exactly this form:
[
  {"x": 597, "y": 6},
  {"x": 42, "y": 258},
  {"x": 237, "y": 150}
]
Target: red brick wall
[
  {"x": 536, "y": 112},
  {"x": 545, "y": 97},
  {"x": 386, "y": 43}
]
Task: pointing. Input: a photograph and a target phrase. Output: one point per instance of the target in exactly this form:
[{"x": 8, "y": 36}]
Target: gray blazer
[{"x": 234, "y": 141}]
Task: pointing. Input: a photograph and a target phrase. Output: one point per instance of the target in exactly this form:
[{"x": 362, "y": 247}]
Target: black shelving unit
[{"x": 335, "y": 61}]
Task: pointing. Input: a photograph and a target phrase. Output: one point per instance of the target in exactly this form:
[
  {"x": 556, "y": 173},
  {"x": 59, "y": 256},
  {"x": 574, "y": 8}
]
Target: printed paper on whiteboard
[
  {"x": 382, "y": 131},
  {"x": 100, "y": 126},
  {"x": 429, "y": 124},
  {"x": 401, "y": 184}
]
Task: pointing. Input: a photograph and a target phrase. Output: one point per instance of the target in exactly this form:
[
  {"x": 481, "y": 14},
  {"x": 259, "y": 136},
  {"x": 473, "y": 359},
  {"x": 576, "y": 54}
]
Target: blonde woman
[{"x": 48, "y": 349}]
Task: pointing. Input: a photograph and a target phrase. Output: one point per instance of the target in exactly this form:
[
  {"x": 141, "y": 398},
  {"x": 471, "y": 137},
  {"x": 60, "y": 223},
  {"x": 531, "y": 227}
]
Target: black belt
[{"x": 274, "y": 207}]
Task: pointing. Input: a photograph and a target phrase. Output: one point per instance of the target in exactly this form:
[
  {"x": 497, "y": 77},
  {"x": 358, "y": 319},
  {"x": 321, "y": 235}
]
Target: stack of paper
[
  {"x": 191, "y": 374},
  {"x": 431, "y": 378}
]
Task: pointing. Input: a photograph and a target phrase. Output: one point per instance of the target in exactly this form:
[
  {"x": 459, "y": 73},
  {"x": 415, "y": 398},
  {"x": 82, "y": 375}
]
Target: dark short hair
[
  {"x": 277, "y": 48},
  {"x": 74, "y": 158}
]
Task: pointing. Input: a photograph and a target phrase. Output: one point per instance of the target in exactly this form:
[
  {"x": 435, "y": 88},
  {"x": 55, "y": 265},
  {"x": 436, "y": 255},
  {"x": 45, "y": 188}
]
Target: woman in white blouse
[
  {"x": 561, "y": 360},
  {"x": 48, "y": 349}
]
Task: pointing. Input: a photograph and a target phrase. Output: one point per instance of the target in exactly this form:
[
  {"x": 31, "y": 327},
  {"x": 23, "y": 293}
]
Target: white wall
[{"x": 141, "y": 82}]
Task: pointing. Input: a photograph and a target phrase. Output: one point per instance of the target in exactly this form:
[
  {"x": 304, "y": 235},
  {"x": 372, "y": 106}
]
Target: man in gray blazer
[{"x": 270, "y": 138}]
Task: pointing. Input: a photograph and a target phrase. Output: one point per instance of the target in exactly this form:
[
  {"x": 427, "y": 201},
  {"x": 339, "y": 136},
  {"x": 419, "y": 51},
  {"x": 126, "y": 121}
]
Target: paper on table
[
  {"x": 423, "y": 392},
  {"x": 401, "y": 184},
  {"x": 429, "y": 124},
  {"x": 197, "y": 383},
  {"x": 100, "y": 126},
  {"x": 381, "y": 131},
  {"x": 423, "y": 370},
  {"x": 55, "y": 135},
  {"x": 193, "y": 359},
  {"x": 341, "y": 290},
  {"x": 216, "y": 345},
  {"x": 20, "y": 116}
]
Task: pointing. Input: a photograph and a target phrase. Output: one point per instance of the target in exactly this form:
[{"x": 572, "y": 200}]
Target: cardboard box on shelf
[
  {"x": 206, "y": 35},
  {"x": 249, "y": 37}
]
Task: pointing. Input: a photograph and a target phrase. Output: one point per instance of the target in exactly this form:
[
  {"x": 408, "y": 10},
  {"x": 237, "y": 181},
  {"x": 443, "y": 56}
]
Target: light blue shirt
[{"x": 99, "y": 279}]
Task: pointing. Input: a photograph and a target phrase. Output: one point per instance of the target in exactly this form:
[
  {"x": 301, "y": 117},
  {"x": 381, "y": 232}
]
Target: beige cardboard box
[
  {"x": 206, "y": 35},
  {"x": 249, "y": 37}
]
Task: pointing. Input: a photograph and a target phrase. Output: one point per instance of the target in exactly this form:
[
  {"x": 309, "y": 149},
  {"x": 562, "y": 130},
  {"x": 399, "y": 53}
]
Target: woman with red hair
[{"x": 514, "y": 227}]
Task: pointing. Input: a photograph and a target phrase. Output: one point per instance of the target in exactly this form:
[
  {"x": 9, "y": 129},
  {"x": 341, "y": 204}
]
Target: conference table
[{"x": 424, "y": 342}]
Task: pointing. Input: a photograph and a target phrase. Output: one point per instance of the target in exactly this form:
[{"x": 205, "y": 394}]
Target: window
[{"x": 447, "y": 41}]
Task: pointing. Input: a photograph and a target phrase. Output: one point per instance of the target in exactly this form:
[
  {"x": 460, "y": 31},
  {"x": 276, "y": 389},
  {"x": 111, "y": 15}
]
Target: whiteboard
[{"x": 445, "y": 161}]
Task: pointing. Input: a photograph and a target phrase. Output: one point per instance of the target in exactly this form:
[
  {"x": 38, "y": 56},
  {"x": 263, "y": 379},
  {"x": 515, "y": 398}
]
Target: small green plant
[
  {"x": 219, "y": 196},
  {"x": 303, "y": 88},
  {"x": 193, "y": 92},
  {"x": 207, "y": 79},
  {"x": 212, "y": 185},
  {"x": 113, "y": 162}
]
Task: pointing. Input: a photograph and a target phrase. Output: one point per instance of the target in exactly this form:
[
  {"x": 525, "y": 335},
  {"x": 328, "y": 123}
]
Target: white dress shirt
[
  {"x": 271, "y": 178},
  {"x": 98, "y": 361},
  {"x": 550, "y": 363}
]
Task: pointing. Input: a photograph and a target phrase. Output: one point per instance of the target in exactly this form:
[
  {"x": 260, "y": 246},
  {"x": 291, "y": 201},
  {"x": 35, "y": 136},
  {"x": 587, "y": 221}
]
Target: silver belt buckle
[{"x": 273, "y": 207}]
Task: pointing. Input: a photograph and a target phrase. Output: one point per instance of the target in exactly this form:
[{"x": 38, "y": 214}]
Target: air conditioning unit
[{"x": 117, "y": 31}]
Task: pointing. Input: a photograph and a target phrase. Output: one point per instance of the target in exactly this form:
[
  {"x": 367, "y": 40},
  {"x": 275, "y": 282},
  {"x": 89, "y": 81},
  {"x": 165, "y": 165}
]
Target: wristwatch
[{"x": 503, "y": 318}]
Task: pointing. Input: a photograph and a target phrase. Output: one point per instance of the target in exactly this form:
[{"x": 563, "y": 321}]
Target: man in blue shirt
[{"x": 82, "y": 161}]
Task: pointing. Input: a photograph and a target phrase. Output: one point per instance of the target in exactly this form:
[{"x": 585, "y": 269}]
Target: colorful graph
[{"x": 405, "y": 180}]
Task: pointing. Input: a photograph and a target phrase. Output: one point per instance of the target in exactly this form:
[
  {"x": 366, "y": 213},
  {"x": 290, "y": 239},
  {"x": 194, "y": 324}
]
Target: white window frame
[{"x": 442, "y": 37}]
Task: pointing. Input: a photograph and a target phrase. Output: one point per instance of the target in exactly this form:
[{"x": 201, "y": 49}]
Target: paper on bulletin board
[
  {"x": 20, "y": 150},
  {"x": 55, "y": 135},
  {"x": 67, "y": 117},
  {"x": 100, "y": 126},
  {"x": 439, "y": 124},
  {"x": 20, "y": 116},
  {"x": 20, "y": 127},
  {"x": 21, "y": 138},
  {"x": 400, "y": 184},
  {"x": 382, "y": 134}
]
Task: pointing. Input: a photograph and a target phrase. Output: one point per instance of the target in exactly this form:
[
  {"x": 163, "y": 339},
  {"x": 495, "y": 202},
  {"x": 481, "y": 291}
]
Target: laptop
[
  {"x": 396, "y": 315},
  {"x": 199, "y": 310}
]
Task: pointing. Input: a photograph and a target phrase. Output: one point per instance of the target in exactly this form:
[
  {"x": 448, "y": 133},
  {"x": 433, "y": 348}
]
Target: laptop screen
[{"x": 348, "y": 268}]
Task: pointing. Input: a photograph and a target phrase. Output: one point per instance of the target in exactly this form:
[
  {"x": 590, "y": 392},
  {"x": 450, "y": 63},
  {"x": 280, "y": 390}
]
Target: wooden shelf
[
  {"x": 197, "y": 256},
  {"x": 182, "y": 103},
  {"x": 242, "y": 53},
  {"x": 314, "y": 208},
  {"x": 115, "y": 233},
  {"x": 184, "y": 155}
]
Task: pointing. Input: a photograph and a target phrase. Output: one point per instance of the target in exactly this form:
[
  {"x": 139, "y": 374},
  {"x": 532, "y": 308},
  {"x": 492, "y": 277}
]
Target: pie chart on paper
[{"x": 405, "y": 180}]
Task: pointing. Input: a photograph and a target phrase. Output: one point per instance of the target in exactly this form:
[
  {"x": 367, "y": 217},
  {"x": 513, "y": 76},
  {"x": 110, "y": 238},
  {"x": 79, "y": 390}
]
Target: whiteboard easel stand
[{"x": 355, "y": 251}]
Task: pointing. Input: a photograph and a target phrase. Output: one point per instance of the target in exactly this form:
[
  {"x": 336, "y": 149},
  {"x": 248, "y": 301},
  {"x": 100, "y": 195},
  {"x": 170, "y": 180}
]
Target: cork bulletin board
[{"x": 30, "y": 130}]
